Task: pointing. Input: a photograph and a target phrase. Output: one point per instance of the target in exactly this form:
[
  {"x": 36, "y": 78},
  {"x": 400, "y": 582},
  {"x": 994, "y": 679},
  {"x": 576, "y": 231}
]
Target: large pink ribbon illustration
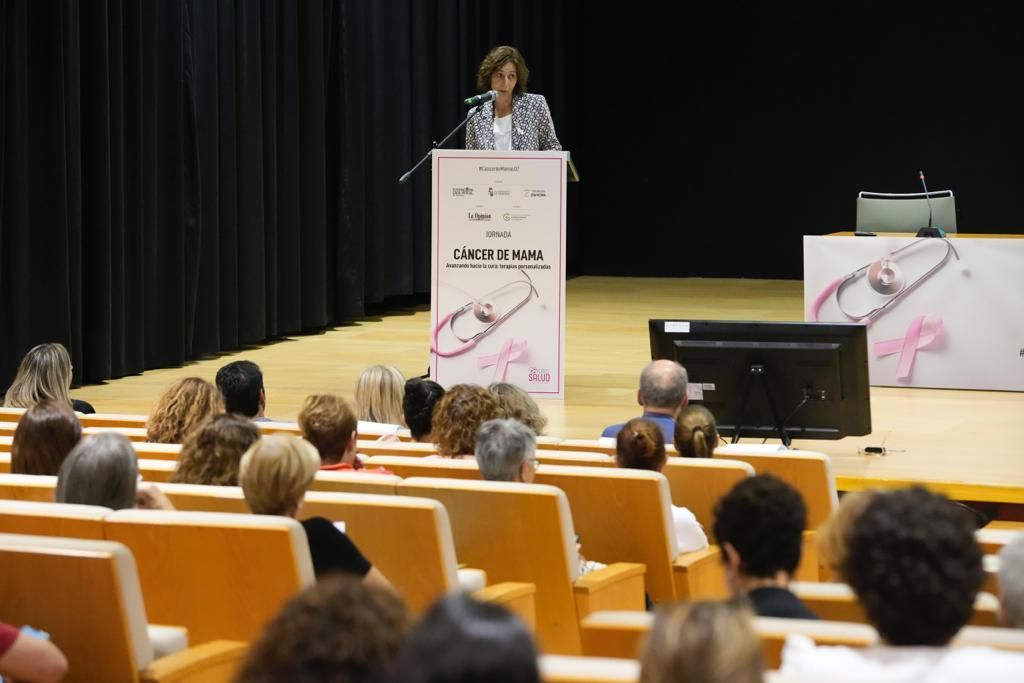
[
  {"x": 922, "y": 331},
  {"x": 512, "y": 351}
]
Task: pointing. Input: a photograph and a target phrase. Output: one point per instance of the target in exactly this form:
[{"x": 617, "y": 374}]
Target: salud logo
[{"x": 462, "y": 191}]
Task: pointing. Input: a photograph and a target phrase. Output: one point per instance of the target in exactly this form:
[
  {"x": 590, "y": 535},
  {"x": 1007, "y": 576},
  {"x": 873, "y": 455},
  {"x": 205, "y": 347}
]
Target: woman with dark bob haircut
[
  {"x": 337, "y": 630},
  {"x": 514, "y": 119},
  {"x": 461, "y": 640},
  {"x": 45, "y": 435}
]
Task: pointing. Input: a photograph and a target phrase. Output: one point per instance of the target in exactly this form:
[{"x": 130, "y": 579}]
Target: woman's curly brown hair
[
  {"x": 184, "y": 405},
  {"x": 337, "y": 630},
  {"x": 211, "y": 453},
  {"x": 459, "y": 414}
]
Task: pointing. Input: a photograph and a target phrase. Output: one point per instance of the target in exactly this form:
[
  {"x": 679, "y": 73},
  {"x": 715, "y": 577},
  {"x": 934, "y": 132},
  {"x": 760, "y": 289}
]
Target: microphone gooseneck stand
[{"x": 437, "y": 145}]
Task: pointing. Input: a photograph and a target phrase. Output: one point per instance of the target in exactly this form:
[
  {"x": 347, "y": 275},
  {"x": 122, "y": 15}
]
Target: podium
[{"x": 497, "y": 301}]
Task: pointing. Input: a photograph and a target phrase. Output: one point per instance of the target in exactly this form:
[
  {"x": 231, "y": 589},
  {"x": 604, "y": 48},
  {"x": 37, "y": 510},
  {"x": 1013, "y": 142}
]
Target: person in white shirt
[
  {"x": 640, "y": 445},
  {"x": 915, "y": 566}
]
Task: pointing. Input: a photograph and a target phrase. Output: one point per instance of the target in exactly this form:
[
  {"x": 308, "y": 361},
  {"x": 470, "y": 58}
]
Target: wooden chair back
[
  {"x": 37, "y": 487},
  {"x": 837, "y": 602},
  {"x": 355, "y": 482},
  {"x": 574, "y": 458},
  {"x": 808, "y": 472},
  {"x": 405, "y": 466},
  {"x": 52, "y": 519},
  {"x": 621, "y": 516},
  {"x": 698, "y": 483},
  {"x": 86, "y": 595},
  {"x": 408, "y": 539},
  {"x": 222, "y": 576},
  {"x": 515, "y": 532}
]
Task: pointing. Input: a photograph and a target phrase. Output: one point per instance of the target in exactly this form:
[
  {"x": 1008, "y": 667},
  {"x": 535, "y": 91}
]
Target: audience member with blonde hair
[
  {"x": 44, "y": 373},
  {"x": 832, "y": 535},
  {"x": 518, "y": 405},
  {"x": 462, "y": 410},
  {"x": 418, "y": 404},
  {"x": 640, "y": 445},
  {"x": 275, "y": 474},
  {"x": 45, "y": 435},
  {"x": 339, "y": 629},
  {"x": 696, "y": 432},
  {"x": 379, "y": 395},
  {"x": 103, "y": 470},
  {"x": 182, "y": 407},
  {"x": 709, "y": 642},
  {"x": 212, "y": 452},
  {"x": 329, "y": 424}
]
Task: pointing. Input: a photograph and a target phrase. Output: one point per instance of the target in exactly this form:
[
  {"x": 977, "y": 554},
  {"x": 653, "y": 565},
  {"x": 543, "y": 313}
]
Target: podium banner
[
  {"x": 941, "y": 313},
  {"x": 498, "y": 269}
]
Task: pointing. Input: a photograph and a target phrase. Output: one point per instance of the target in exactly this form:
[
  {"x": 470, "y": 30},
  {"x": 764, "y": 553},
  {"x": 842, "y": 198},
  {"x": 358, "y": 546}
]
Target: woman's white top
[
  {"x": 503, "y": 132},
  {"x": 690, "y": 535}
]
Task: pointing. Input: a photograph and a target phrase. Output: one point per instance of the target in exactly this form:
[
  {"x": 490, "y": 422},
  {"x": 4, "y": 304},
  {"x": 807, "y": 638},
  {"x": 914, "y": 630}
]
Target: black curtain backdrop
[{"x": 184, "y": 177}]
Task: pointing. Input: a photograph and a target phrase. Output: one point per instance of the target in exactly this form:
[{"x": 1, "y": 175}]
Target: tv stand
[{"x": 759, "y": 374}]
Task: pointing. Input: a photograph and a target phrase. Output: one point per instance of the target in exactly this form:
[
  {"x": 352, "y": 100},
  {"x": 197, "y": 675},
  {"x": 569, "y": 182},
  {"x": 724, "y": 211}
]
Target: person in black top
[
  {"x": 274, "y": 475},
  {"x": 759, "y": 525}
]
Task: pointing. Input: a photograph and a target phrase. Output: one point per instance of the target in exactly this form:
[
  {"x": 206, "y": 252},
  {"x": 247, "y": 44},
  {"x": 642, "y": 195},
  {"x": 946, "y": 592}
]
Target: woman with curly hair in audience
[
  {"x": 460, "y": 413},
  {"x": 379, "y": 395},
  {"x": 212, "y": 452},
  {"x": 275, "y": 474},
  {"x": 339, "y": 629},
  {"x": 44, "y": 373},
  {"x": 518, "y": 405},
  {"x": 45, "y": 435},
  {"x": 640, "y": 445},
  {"x": 181, "y": 409},
  {"x": 696, "y": 432}
]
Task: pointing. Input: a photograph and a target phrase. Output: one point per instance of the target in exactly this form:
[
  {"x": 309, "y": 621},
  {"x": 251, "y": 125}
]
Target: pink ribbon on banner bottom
[
  {"x": 922, "y": 331},
  {"x": 512, "y": 351}
]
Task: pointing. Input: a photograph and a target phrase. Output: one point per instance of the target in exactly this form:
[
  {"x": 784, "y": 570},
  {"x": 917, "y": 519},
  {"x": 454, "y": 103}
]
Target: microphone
[
  {"x": 480, "y": 99},
  {"x": 927, "y": 197}
]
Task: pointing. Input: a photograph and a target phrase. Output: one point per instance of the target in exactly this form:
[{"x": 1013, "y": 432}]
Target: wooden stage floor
[{"x": 968, "y": 443}]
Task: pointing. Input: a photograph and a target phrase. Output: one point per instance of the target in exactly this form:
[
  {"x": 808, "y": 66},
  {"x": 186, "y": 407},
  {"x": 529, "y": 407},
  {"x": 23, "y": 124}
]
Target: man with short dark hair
[
  {"x": 662, "y": 394},
  {"x": 241, "y": 384},
  {"x": 913, "y": 561},
  {"x": 759, "y": 526}
]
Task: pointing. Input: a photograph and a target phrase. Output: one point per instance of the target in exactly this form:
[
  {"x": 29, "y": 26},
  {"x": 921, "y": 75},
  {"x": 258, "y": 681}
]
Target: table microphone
[
  {"x": 929, "y": 230},
  {"x": 480, "y": 99}
]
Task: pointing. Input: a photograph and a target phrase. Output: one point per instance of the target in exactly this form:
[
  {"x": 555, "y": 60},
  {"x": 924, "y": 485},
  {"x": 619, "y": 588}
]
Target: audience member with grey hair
[
  {"x": 1011, "y": 583},
  {"x": 103, "y": 470},
  {"x": 662, "y": 394},
  {"x": 506, "y": 451}
]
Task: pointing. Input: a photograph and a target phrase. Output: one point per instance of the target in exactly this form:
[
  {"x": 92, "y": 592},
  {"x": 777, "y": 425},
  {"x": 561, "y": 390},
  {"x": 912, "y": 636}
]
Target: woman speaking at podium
[{"x": 514, "y": 119}]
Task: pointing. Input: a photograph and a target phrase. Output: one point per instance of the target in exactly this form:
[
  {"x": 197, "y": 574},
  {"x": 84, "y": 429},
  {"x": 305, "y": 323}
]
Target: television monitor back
[
  {"x": 827, "y": 363},
  {"x": 880, "y": 212}
]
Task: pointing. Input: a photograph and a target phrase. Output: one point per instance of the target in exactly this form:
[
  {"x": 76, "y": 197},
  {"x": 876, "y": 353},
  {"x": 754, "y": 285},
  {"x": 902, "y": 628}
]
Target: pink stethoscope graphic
[
  {"x": 885, "y": 277},
  {"x": 486, "y": 311}
]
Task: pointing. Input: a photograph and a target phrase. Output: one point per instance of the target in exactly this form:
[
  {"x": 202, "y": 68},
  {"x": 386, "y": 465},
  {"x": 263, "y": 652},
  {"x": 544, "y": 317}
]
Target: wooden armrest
[
  {"x": 217, "y": 660},
  {"x": 518, "y": 598},
  {"x": 619, "y": 586},
  {"x": 615, "y": 634},
  {"x": 699, "y": 575}
]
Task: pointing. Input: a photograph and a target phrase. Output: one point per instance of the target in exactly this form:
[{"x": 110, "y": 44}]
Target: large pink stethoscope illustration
[
  {"x": 885, "y": 277},
  {"x": 490, "y": 311}
]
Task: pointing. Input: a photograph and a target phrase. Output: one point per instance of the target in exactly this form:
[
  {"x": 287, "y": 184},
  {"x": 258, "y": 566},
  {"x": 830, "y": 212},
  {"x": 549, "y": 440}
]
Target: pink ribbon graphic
[
  {"x": 512, "y": 351},
  {"x": 922, "y": 331}
]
